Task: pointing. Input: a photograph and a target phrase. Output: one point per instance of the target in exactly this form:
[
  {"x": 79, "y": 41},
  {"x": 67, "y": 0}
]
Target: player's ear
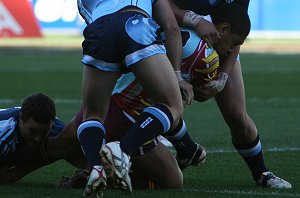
[
  {"x": 21, "y": 116},
  {"x": 223, "y": 28}
]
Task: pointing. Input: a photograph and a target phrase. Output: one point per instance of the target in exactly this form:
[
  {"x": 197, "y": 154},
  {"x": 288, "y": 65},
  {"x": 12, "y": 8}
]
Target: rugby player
[
  {"x": 123, "y": 36},
  {"x": 23, "y": 133},
  {"x": 228, "y": 90}
]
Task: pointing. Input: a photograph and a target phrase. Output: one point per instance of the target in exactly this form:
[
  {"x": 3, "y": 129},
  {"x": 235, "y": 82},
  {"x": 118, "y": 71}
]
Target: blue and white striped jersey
[
  {"x": 91, "y": 10},
  {"x": 9, "y": 132}
]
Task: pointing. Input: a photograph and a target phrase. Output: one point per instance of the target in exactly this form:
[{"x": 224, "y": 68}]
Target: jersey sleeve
[{"x": 7, "y": 138}]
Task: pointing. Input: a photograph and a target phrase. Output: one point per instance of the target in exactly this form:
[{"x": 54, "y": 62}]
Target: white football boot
[
  {"x": 268, "y": 179},
  {"x": 96, "y": 181},
  {"x": 117, "y": 165},
  {"x": 197, "y": 159}
]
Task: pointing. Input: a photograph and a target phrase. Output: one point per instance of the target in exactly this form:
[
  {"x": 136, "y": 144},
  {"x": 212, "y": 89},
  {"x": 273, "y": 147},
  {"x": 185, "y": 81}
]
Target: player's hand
[
  {"x": 210, "y": 89},
  {"x": 78, "y": 180},
  {"x": 185, "y": 88},
  {"x": 187, "y": 92},
  {"x": 207, "y": 31},
  {"x": 202, "y": 94},
  {"x": 218, "y": 84}
]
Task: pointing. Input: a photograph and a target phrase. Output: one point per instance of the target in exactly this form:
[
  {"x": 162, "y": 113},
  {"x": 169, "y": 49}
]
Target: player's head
[
  {"x": 233, "y": 23},
  {"x": 36, "y": 118}
]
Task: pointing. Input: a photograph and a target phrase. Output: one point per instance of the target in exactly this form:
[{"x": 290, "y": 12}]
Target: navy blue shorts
[{"x": 115, "y": 42}]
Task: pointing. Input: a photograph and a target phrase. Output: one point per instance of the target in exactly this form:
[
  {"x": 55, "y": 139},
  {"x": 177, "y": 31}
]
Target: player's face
[
  {"x": 34, "y": 133},
  {"x": 225, "y": 45}
]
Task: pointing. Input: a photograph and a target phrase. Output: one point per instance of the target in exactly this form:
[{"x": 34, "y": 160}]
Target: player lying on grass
[
  {"x": 23, "y": 133},
  {"x": 228, "y": 90},
  {"x": 26, "y": 131}
]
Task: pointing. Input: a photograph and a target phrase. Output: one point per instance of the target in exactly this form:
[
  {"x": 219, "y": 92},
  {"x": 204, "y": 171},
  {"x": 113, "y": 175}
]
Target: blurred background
[{"x": 270, "y": 18}]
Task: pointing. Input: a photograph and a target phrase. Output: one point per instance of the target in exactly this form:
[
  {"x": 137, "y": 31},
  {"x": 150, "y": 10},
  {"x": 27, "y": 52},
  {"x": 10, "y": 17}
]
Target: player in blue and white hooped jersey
[
  {"x": 229, "y": 94},
  {"x": 23, "y": 132},
  {"x": 121, "y": 35}
]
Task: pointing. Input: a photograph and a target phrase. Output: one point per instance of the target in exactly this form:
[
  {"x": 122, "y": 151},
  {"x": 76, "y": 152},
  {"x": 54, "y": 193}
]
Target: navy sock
[
  {"x": 253, "y": 156},
  {"x": 181, "y": 140},
  {"x": 152, "y": 122},
  {"x": 90, "y": 134}
]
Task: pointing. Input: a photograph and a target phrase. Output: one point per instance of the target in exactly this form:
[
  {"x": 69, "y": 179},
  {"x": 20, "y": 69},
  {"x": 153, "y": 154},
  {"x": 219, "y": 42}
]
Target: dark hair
[
  {"x": 234, "y": 14},
  {"x": 38, "y": 106}
]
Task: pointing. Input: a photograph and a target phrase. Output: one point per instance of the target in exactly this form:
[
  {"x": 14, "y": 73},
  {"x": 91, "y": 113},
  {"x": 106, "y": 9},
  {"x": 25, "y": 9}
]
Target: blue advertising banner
[
  {"x": 266, "y": 15},
  {"x": 57, "y": 14}
]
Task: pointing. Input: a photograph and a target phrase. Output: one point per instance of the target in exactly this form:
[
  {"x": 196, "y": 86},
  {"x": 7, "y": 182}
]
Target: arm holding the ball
[{"x": 212, "y": 88}]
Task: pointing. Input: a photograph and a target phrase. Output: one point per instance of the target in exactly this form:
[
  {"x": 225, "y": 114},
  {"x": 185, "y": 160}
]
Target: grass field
[{"x": 273, "y": 101}]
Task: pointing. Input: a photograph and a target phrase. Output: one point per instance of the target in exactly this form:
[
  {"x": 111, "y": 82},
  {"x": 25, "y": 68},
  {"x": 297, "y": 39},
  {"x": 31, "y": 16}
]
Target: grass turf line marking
[
  {"x": 241, "y": 192},
  {"x": 274, "y": 149},
  {"x": 78, "y": 101}
]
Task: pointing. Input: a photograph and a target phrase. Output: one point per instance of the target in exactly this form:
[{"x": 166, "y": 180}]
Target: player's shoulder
[{"x": 8, "y": 113}]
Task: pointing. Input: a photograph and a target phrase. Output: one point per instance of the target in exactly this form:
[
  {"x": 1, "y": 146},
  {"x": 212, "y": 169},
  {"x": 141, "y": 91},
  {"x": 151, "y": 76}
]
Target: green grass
[{"x": 273, "y": 101}]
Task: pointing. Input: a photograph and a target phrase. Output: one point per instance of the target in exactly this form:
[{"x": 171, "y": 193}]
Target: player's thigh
[
  {"x": 116, "y": 122},
  {"x": 160, "y": 166},
  {"x": 157, "y": 76},
  {"x": 231, "y": 100},
  {"x": 97, "y": 87}
]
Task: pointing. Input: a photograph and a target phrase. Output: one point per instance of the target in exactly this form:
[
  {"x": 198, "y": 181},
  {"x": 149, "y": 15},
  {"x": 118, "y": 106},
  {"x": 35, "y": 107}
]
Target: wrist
[
  {"x": 191, "y": 19},
  {"x": 222, "y": 78},
  {"x": 178, "y": 75}
]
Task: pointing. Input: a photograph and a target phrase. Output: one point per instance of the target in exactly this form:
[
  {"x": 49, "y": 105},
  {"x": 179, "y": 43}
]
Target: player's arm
[
  {"x": 164, "y": 16},
  {"x": 10, "y": 175},
  {"x": 205, "y": 29},
  {"x": 66, "y": 145},
  {"x": 20, "y": 163}
]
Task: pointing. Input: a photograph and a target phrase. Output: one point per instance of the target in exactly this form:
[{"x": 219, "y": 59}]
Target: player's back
[{"x": 91, "y": 10}]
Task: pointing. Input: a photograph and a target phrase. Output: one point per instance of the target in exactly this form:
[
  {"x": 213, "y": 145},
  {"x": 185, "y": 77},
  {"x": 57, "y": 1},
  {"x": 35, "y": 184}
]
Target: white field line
[
  {"x": 57, "y": 101},
  {"x": 78, "y": 101},
  {"x": 274, "y": 150},
  {"x": 241, "y": 192}
]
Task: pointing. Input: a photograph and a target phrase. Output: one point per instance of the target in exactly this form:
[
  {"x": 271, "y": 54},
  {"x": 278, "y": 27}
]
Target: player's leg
[
  {"x": 97, "y": 87},
  {"x": 152, "y": 164},
  {"x": 188, "y": 153},
  {"x": 151, "y": 66},
  {"x": 231, "y": 102},
  {"x": 159, "y": 166},
  {"x": 157, "y": 77}
]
